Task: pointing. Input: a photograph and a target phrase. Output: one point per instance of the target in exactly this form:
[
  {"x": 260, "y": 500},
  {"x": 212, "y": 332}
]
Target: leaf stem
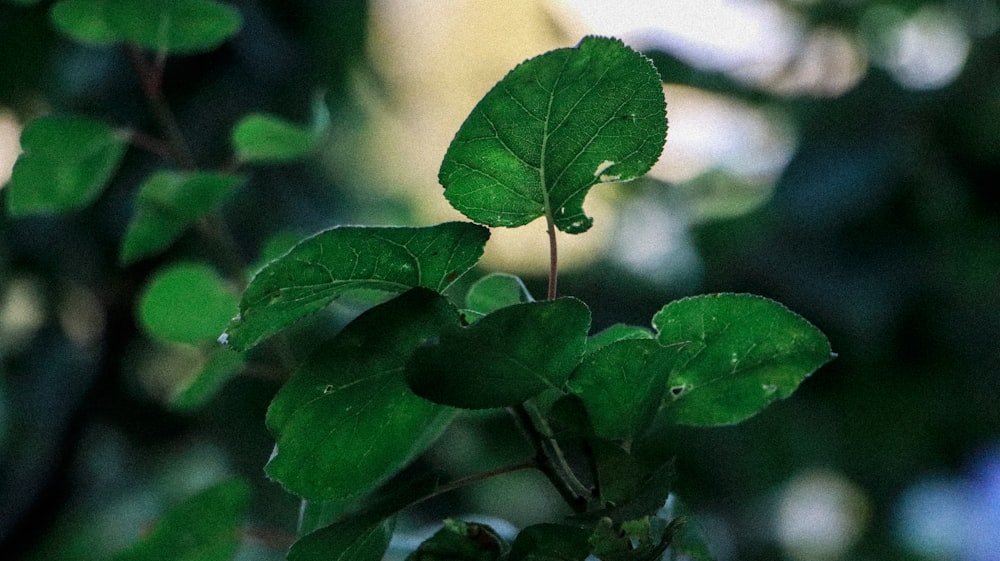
[
  {"x": 550, "y": 460},
  {"x": 151, "y": 79},
  {"x": 553, "y": 257}
]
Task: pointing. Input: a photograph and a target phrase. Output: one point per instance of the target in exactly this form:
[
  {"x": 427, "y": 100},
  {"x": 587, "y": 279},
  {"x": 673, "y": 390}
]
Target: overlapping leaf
[
  {"x": 168, "y": 202},
  {"x": 324, "y": 266},
  {"x": 67, "y": 162},
  {"x": 504, "y": 358},
  {"x": 186, "y": 303},
  {"x": 555, "y": 126},
  {"x": 737, "y": 353},
  {"x": 344, "y": 542},
  {"x": 346, "y": 420},
  {"x": 495, "y": 291},
  {"x": 262, "y": 138}
]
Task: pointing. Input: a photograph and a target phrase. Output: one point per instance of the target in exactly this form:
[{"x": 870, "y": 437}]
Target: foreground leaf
[
  {"x": 322, "y": 267},
  {"x": 736, "y": 354},
  {"x": 186, "y": 303},
  {"x": 346, "y": 421},
  {"x": 202, "y": 528},
  {"x": 344, "y": 542},
  {"x": 555, "y": 126},
  {"x": 168, "y": 202},
  {"x": 505, "y": 358},
  {"x": 622, "y": 386},
  {"x": 67, "y": 162}
]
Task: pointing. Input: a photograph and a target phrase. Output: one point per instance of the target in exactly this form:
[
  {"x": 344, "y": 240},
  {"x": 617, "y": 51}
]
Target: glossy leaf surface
[
  {"x": 737, "y": 353},
  {"x": 346, "y": 420},
  {"x": 555, "y": 126},
  {"x": 168, "y": 202},
  {"x": 321, "y": 268},
  {"x": 67, "y": 162},
  {"x": 504, "y": 358},
  {"x": 622, "y": 386},
  {"x": 186, "y": 303},
  {"x": 262, "y": 138},
  {"x": 205, "y": 527}
]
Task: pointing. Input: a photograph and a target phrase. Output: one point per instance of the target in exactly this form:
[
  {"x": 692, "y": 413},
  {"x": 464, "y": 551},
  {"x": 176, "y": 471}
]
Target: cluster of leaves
[{"x": 378, "y": 393}]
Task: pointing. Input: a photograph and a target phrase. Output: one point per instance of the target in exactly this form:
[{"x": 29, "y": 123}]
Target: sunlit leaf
[
  {"x": 168, "y": 202},
  {"x": 495, "y": 291},
  {"x": 551, "y": 542},
  {"x": 344, "y": 542},
  {"x": 324, "y": 266},
  {"x": 261, "y": 138},
  {"x": 84, "y": 20},
  {"x": 173, "y": 26},
  {"x": 346, "y": 420},
  {"x": 202, "y": 528},
  {"x": 67, "y": 162},
  {"x": 555, "y": 126},
  {"x": 737, "y": 353},
  {"x": 504, "y": 358},
  {"x": 186, "y": 303},
  {"x": 461, "y": 541}
]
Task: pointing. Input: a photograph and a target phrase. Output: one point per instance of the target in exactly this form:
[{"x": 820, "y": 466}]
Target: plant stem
[
  {"x": 550, "y": 460},
  {"x": 151, "y": 78},
  {"x": 553, "y": 257}
]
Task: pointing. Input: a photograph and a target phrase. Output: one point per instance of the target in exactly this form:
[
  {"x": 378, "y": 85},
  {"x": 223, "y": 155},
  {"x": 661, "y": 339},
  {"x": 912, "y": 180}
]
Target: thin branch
[
  {"x": 151, "y": 78},
  {"x": 551, "y": 462}
]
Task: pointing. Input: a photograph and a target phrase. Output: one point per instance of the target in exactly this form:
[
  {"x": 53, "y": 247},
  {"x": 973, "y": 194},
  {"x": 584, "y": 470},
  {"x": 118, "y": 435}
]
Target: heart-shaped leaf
[
  {"x": 168, "y": 202},
  {"x": 504, "y": 358},
  {"x": 346, "y": 420},
  {"x": 555, "y": 126},
  {"x": 321, "y": 268},
  {"x": 737, "y": 353},
  {"x": 622, "y": 386},
  {"x": 67, "y": 162}
]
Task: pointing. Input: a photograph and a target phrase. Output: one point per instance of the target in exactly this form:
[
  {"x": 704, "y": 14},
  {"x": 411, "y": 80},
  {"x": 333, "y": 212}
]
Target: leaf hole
[
  {"x": 678, "y": 391},
  {"x": 769, "y": 389},
  {"x": 328, "y": 389}
]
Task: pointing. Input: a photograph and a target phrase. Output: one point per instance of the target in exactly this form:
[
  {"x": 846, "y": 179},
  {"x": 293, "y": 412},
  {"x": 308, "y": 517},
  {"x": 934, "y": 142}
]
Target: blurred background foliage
[{"x": 835, "y": 155}]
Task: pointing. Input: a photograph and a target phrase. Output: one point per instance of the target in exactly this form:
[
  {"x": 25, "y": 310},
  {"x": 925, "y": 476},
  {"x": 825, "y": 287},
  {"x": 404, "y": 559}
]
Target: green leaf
[
  {"x": 461, "y": 541},
  {"x": 619, "y": 474},
  {"x": 85, "y": 21},
  {"x": 186, "y": 303},
  {"x": 554, "y": 127},
  {"x": 202, "y": 528},
  {"x": 617, "y": 332},
  {"x": 495, "y": 291},
  {"x": 346, "y": 421},
  {"x": 505, "y": 358},
  {"x": 325, "y": 266},
  {"x": 67, "y": 162},
  {"x": 551, "y": 542},
  {"x": 168, "y": 202},
  {"x": 261, "y": 138},
  {"x": 737, "y": 353},
  {"x": 344, "y": 542},
  {"x": 644, "y": 539},
  {"x": 622, "y": 386},
  {"x": 173, "y": 26},
  {"x": 194, "y": 392}
]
